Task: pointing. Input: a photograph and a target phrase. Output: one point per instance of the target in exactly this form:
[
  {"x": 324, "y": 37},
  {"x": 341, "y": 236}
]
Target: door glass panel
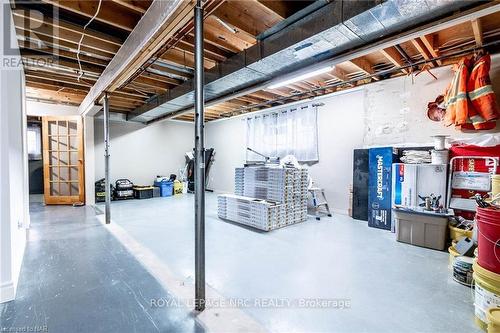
[
  {"x": 73, "y": 143},
  {"x": 74, "y": 188},
  {"x": 53, "y": 158},
  {"x": 54, "y": 189},
  {"x": 73, "y": 157},
  {"x": 64, "y": 158},
  {"x": 63, "y": 143},
  {"x": 53, "y": 143},
  {"x": 52, "y": 128},
  {"x": 72, "y": 126},
  {"x": 64, "y": 173},
  {"x": 63, "y": 127},
  {"x": 65, "y": 189},
  {"x": 54, "y": 173},
  {"x": 73, "y": 173}
]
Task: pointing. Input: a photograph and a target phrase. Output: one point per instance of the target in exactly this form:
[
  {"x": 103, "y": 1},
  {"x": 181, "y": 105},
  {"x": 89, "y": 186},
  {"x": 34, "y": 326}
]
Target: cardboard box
[{"x": 380, "y": 186}]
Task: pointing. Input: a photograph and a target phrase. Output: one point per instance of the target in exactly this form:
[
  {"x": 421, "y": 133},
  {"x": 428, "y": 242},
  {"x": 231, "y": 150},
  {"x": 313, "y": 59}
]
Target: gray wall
[
  {"x": 139, "y": 153},
  {"x": 391, "y": 112},
  {"x": 340, "y": 130}
]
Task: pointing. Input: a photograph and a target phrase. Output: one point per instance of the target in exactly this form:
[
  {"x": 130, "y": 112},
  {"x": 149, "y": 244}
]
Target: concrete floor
[
  {"x": 391, "y": 287},
  {"x": 76, "y": 277}
]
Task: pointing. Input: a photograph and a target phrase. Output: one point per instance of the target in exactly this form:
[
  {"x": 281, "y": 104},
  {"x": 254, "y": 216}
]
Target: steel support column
[
  {"x": 106, "y": 160},
  {"x": 199, "y": 169}
]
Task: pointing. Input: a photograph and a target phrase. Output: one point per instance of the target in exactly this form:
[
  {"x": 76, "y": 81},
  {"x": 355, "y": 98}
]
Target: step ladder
[{"x": 319, "y": 207}]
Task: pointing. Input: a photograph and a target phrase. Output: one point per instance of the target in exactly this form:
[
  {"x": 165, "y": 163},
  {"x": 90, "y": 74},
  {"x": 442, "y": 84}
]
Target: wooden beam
[
  {"x": 280, "y": 8},
  {"x": 37, "y": 91},
  {"x": 161, "y": 78},
  {"x": 24, "y": 46},
  {"x": 40, "y": 61},
  {"x": 139, "y": 6},
  {"x": 109, "y": 13},
  {"x": 211, "y": 52},
  {"x": 64, "y": 35},
  {"x": 36, "y": 20},
  {"x": 339, "y": 74},
  {"x": 56, "y": 85},
  {"x": 428, "y": 41},
  {"x": 47, "y": 41},
  {"x": 215, "y": 31},
  {"x": 251, "y": 17},
  {"x": 394, "y": 57},
  {"x": 364, "y": 65},
  {"x": 478, "y": 31},
  {"x": 182, "y": 16},
  {"x": 153, "y": 83},
  {"x": 184, "y": 58},
  {"x": 59, "y": 78},
  {"x": 419, "y": 45}
]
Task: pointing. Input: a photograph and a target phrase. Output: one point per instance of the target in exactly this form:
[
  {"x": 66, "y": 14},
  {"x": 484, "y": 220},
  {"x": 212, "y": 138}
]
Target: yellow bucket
[
  {"x": 177, "y": 187},
  {"x": 486, "y": 294},
  {"x": 493, "y": 317},
  {"x": 457, "y": 234}
]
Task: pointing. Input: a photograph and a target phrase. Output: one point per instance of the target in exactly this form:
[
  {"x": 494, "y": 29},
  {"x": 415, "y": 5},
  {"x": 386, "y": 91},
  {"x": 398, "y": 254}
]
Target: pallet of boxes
[{"x": 266, "y": 197}]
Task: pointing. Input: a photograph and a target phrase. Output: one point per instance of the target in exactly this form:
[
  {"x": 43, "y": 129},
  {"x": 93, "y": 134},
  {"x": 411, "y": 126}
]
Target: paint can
[
  {"x": 462, "y": 270},
  {"x": 440, "y": 156},
  {"x": 439, "y": 141},
  {"x": 486, "y": 293}
]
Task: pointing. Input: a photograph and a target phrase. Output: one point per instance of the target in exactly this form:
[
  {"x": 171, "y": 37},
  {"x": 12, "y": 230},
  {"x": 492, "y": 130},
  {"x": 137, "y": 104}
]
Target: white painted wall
[
  {"x": 396, "y": 109},
  {"x": 391, "y": 112},
  {"x": 340, "y": 130},
  {"x": 139, "y": 152},
  {"x": 40, "y": 109},
  {"x": 14, "y": 216}
]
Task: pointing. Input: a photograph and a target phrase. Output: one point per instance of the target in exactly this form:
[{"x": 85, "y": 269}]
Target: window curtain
[{"x": 291, "y": 131}]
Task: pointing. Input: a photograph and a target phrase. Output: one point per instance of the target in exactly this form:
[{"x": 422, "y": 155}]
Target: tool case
[
  {"x": 143, "y": 192},
  {"x": 124, "y": 189}
]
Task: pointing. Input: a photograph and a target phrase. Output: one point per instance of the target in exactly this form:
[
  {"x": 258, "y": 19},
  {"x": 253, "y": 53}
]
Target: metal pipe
[
  {"x": 106, "y": 160},
  {"x": 199, "y": 162},
  {"x": 367, "y": 76}
]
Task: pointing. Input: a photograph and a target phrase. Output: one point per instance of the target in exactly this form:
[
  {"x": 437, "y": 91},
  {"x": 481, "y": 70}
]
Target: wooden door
[{"x": 63, "y": 168}]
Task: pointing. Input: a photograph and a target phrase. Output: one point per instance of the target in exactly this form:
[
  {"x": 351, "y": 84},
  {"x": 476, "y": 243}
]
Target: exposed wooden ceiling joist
[
  {"x": 109, "y": 13},
  {"x": 478, "y": 32},
  {"x": 140, "y": 6},
  {"x": 394, "y": 57}
]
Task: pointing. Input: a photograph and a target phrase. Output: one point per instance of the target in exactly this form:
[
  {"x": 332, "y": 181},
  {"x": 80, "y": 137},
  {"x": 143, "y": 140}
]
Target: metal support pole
[
  {"x": 106, "y": 159},
  {"x": 199, "y": 169}
]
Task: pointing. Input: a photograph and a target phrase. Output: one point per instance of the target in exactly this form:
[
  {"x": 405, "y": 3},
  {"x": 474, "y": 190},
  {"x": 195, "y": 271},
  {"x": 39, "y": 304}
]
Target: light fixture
[
  {"x": 301, "y": 77},
  {"x": 225, "y": 25}
]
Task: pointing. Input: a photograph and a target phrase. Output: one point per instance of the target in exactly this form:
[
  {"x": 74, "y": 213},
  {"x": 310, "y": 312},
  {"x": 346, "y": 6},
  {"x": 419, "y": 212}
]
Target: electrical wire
[{"x": 80, "y": 72}]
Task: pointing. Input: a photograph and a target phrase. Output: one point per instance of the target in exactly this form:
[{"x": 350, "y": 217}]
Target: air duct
[{"x": 331, "y": 30}]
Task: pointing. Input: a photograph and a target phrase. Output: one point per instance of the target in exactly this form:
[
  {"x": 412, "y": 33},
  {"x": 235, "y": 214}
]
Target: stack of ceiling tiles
[
  {"x": 285, "y": 186},
  {"x": 260, "y": 214}
]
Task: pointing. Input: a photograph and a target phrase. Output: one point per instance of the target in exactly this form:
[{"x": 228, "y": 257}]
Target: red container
[{"x": 488, "y": 238}]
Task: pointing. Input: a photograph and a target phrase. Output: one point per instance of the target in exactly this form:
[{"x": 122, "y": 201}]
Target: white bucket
[
  {"x": 440, "y": 156},
  {"x": 439, "y": 141}
]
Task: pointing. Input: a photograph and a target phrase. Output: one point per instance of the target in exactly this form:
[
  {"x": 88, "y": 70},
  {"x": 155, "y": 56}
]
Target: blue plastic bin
[{"x": 166, "y": 188}]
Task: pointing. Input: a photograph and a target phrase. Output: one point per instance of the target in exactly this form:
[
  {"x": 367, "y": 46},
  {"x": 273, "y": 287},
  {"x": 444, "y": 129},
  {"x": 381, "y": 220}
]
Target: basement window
[
  {"x": 291, "y": 131},
  {"x": 34, "y": 141}
]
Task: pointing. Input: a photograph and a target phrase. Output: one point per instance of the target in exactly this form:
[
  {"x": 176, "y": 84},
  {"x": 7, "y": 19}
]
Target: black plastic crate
[{"x": 143, "y": 192}]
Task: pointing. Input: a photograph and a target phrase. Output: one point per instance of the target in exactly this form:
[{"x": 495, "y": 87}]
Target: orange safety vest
[
  {"x": 470, "y": 100},
  {"x": 481, "y": 95}
]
